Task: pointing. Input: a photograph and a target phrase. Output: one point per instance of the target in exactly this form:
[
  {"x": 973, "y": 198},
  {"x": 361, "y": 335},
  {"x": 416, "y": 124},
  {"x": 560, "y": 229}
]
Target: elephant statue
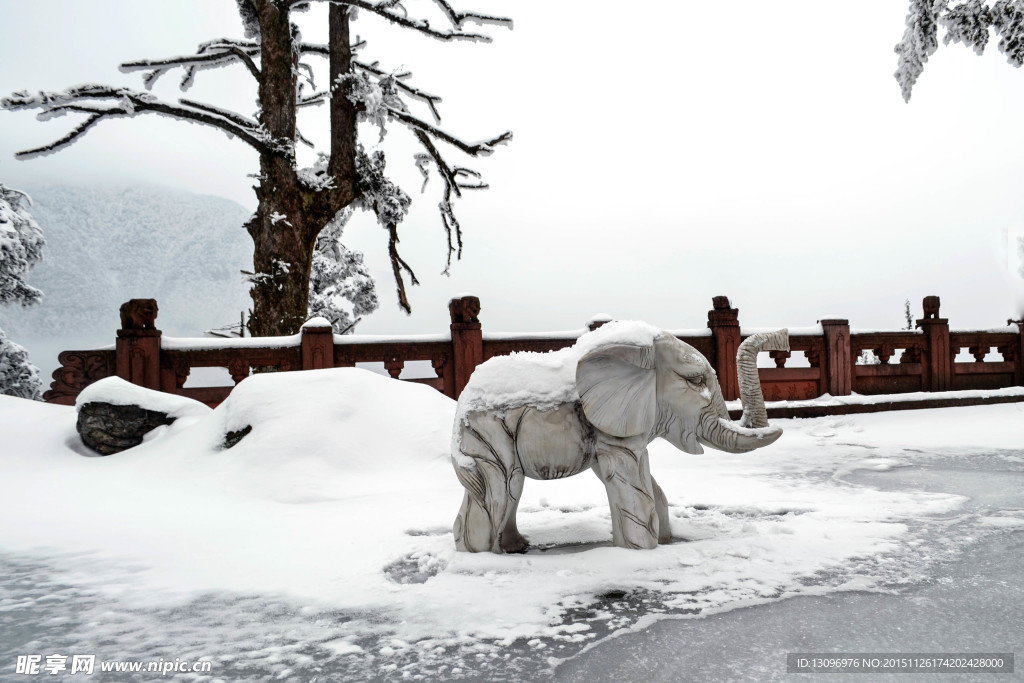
[{"x": 596, "y": 405}]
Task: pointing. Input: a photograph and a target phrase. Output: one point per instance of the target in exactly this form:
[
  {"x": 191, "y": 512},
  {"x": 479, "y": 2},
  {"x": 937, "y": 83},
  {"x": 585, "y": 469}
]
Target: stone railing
[{"x": 926, "y": 357}]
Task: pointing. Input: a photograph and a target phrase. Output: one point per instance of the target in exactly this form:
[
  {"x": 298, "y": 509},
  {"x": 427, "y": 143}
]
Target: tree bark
[
  {"x": 290, "y": 214},
  {"x": 342, "y": 165}
]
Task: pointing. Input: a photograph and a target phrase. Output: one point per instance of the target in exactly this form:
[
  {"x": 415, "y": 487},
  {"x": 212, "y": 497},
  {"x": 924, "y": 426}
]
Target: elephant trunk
[
  {"x": 752, "y": 430},
  {"x": 754, "y": 413}
]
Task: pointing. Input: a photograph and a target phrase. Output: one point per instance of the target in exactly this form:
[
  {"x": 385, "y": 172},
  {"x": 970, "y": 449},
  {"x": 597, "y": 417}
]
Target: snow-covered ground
[{"x": 321, "y": 545}]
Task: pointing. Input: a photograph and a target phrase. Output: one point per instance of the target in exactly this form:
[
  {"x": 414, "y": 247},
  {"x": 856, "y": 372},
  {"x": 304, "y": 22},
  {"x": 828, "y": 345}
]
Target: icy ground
[{"x": 320, "y": 548}]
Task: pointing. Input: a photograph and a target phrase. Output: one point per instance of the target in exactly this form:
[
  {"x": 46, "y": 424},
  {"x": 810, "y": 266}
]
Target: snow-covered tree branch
[
  {"x": 213, "y": 54},
  {"x": 396, "y": 13},
  {"x": 969, "y": 22},
  {"x": 100, "y": 102}
]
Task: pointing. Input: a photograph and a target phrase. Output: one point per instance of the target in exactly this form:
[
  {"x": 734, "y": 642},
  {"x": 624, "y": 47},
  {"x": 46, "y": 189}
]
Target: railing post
[
  {"x": 1019, "y": 364},
  {"x": 597, "y": 321},
  {"x": 724, "y": 322},
  {"x": 317, "y": 345},
  {"x": 939, "y": 364},
  {"x": 137, "y": 350},
  {"x": 467, "y": 339},
  {"x": 838, "y": 360}
]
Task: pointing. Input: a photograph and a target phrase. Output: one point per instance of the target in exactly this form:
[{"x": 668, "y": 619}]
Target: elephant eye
[{"x": 697, "y": 380}]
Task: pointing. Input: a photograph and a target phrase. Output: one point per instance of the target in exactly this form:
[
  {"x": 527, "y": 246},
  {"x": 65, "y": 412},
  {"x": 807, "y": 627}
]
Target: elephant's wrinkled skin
[{"x": 626, "y": 396}]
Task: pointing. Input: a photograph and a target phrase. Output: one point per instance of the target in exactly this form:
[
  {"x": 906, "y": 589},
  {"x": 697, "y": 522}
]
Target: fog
[{"x": 661, "y": 157}]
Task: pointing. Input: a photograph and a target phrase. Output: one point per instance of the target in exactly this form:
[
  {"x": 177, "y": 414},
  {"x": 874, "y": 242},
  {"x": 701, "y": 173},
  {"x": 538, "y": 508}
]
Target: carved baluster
[
  {"x": 239, "y": 370},
  {"x": 979, "y": 352},
  {"x": 394, "y": 366},
  {"x": 813, "y": 356},
  {"x": 182, "y": 369},
  {"x": 1008, "y": 352},
  {"x": 438, "y": 365},
  {"x": 912, "y": 354},
  {"x": 884, "y": 353},
  {"x": 779, "y": 357}
]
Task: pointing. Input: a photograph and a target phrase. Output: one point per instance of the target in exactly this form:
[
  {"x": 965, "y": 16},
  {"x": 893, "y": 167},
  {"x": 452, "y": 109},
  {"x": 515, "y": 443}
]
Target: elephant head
[{"x": 669, "y": 389}]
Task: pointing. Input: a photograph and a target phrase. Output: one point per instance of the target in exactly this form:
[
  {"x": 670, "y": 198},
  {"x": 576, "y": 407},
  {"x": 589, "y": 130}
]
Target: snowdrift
[{"x": 342, "y": 498}]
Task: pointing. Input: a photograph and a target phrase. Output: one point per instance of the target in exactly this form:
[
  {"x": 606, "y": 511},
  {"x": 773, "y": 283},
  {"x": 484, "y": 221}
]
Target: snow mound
[
  {"x": 329, "y": 434},
  {"x": 544, "y": 380},
  {"x": 119, "y": 392}
]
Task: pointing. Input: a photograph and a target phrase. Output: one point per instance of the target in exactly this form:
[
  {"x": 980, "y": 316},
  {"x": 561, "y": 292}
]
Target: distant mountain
[{"x": 105, "y": 245}]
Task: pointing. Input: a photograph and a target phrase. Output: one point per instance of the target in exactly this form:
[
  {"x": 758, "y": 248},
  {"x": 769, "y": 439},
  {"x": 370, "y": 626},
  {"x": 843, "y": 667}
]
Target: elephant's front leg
[
  {"x": 631, "y": 495},
  {"x": 661, "y": 505}
]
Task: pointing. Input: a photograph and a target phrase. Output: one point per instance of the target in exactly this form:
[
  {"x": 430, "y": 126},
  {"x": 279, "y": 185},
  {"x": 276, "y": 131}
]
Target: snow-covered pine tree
[
  {"x": 340, "y": 286},
  {"x": 21, "y": 247},
  {"x": 908, "y": 316},
  {"x": 968, "y": 22},
  {"x": 867, "y": 357},
  {"x": 18, "y": 376},
  {"x": 296, "y": 204}
]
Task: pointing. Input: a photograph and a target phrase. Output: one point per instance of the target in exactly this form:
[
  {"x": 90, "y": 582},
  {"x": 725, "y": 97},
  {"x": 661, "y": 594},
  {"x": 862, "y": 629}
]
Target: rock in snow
[{"x": 115, "y": 415}]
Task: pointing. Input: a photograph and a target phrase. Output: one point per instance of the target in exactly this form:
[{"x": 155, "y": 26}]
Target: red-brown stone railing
[{"x": 927, "y": 361}]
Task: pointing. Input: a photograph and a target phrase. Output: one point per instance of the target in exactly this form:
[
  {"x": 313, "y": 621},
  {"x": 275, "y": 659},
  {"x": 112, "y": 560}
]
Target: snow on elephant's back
[{"x": 543, "y": 380}]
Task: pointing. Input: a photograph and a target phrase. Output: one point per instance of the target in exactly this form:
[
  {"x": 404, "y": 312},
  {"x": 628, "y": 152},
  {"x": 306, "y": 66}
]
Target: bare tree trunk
[
  {"x": 342, "y": 165},
  {"x": 290, "y": 215},
  {"x": 282, "y": 258}
]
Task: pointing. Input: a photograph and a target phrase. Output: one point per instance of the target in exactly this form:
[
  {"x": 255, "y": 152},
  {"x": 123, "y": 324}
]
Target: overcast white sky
[{"x": 662, "y": 155}]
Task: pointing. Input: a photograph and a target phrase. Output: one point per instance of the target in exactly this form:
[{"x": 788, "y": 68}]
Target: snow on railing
[{"x": 827, "y": 358}]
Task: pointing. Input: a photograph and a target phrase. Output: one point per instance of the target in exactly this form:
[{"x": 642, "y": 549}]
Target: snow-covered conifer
[
  {"x": 867, "y": 357},
  {"x": 967, "y": 22},
  {"x": 21, "y": 247},
  {"x": 18, "y": 377},
  {"x": 919, "y": 42},
  {"x": 340, "y": 286}
]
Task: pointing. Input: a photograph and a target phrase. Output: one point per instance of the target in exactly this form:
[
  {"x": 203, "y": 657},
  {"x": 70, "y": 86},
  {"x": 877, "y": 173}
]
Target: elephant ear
[{"x": 617, "y": 387}]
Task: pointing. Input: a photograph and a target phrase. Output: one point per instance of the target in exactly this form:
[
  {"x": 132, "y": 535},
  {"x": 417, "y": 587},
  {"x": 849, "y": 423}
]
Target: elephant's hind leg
[
  {"x": 473, "y": 528},
  {"x": 511, "y": 540}
]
